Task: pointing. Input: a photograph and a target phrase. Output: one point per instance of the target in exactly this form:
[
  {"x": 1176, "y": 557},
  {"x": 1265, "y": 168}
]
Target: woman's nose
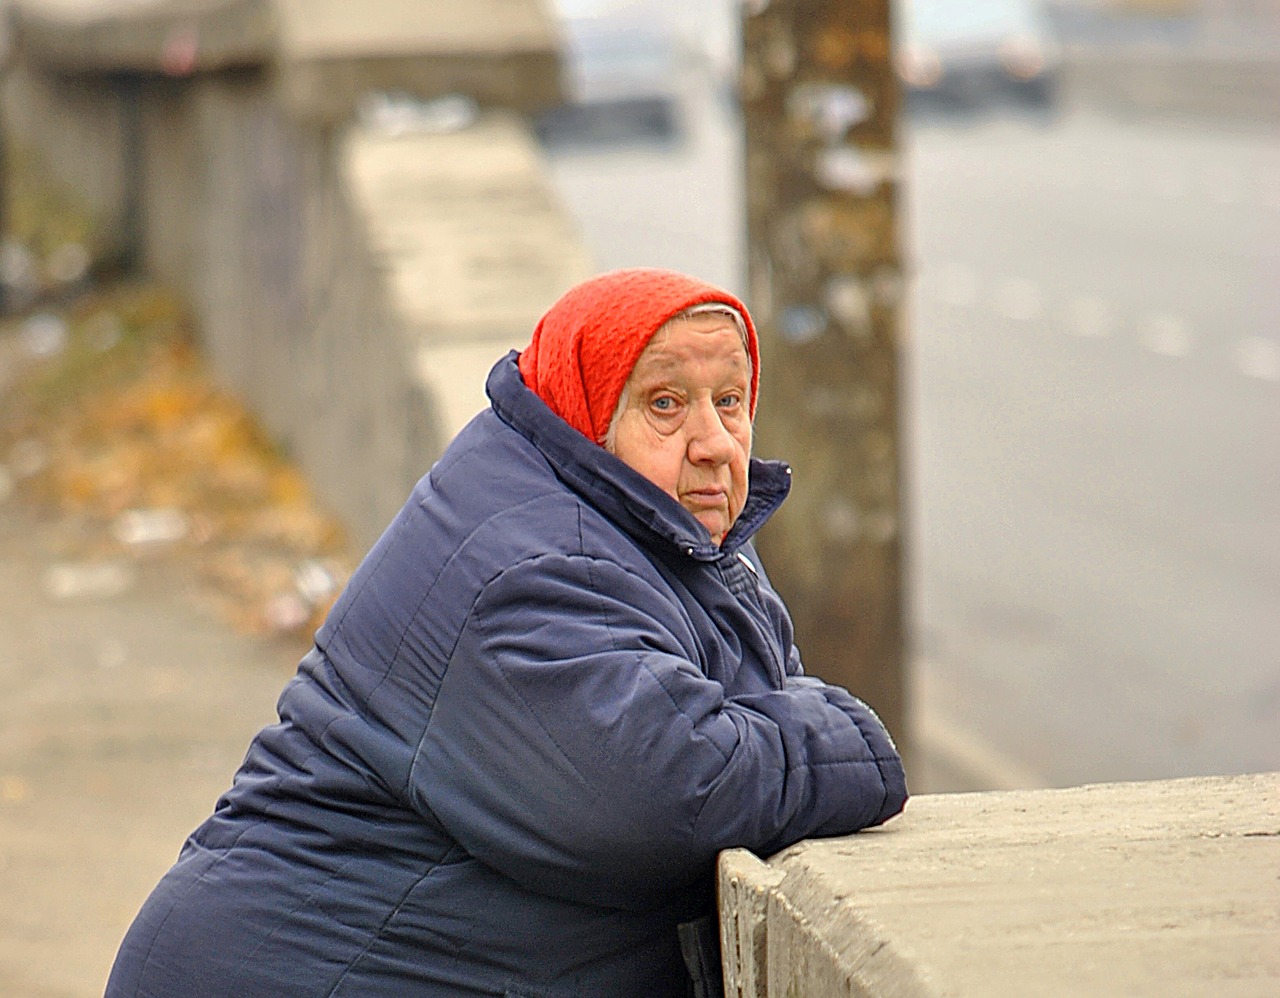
[{"x": 709, "y": 439}]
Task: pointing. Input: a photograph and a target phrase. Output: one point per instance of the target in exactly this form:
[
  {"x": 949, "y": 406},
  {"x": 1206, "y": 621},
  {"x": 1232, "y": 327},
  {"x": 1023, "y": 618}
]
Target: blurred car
[
  {"x": 972, "y": 53},
  {"x": 621, "y": 71}
]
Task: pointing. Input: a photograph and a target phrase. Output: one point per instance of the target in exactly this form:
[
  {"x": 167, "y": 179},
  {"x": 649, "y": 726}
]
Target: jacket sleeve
[{"x": 574, "y": 747}]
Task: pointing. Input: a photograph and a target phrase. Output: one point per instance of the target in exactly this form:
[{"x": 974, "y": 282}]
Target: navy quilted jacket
[{"x": 542, "y": 705}]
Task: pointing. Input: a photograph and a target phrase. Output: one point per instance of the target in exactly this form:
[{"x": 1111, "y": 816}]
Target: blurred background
[
  {"x": 1088, "y": 196},
  {"x": 1091, "y": 210},
  {"x": 257, "y": 256}
]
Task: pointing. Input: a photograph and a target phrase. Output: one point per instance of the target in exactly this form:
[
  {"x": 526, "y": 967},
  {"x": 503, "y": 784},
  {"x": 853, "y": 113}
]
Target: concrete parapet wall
[
  {"x": 471, "y": 243},
  {"x": 356, "y": 286},
  {"x": 1142, "y": 889},
  {"x": 337, "y": 272},
  {"x": 1140, "y": 83},
  {"x": 74, "y": 126},
  {"x": 170, "y": 36},
  {"x": 501, "y": 53}
]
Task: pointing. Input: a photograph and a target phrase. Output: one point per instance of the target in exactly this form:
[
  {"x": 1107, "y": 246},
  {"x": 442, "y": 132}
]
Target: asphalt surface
[
  {"x": 125, "y": 708},
  {"x": 1094, "y": 413}
]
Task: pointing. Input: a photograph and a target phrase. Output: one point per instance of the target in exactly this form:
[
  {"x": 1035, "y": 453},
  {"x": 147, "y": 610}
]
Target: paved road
[
  {"x": 1094, "y": 424},
  {"x": 1096, "y": 406}
]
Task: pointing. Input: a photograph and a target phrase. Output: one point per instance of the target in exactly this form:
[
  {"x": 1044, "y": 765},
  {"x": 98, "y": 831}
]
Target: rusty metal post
[{"x": 820, "y": 104}]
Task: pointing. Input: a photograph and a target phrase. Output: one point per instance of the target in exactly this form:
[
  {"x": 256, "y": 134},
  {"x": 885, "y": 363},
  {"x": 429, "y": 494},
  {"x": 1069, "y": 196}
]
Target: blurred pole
[
  {"x": 820, "y": 105},
  {"x": 5, "y": 193},
  {"x": 4, "y": 207}
]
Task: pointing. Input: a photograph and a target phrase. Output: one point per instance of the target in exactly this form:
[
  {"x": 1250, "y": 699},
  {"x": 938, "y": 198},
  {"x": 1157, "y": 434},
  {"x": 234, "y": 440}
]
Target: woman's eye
[
  {"x": 729, "y": 401},
  {"x": 664, "y": 403}
]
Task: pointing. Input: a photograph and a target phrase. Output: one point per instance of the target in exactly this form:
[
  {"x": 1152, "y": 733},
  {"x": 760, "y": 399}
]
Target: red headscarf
[{"x": 585, "y": 346}]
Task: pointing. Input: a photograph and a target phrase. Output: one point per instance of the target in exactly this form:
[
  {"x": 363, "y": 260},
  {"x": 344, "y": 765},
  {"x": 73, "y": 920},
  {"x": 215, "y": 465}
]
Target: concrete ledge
[
  {"x": 502, "y": 53},
  {"x": 454, "y": 247},
  {"x": 468, "y": 225},
  {"x": 173, "y": 37},
  {"x": 328, "y": 54},
  {"x": 1141, "y": 889},
  {"x": 472, "y": 244}
]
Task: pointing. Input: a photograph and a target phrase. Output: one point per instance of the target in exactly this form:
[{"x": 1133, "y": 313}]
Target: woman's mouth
[{"x": 705, "y": 498}]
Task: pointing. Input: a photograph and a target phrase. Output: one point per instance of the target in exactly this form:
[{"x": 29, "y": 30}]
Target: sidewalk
[{"x": 122, "y": 718}]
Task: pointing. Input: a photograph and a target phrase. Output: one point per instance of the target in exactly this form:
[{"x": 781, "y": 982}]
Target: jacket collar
[{"x": 617, "y": 490}]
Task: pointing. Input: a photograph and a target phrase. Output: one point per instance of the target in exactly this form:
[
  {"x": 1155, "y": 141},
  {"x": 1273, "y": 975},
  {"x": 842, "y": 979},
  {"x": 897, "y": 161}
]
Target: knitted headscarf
[{"x": 584, "y": 347}]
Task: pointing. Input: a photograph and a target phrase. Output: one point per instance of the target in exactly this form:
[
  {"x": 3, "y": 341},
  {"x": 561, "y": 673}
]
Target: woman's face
[{"x": 686, "y": 423}]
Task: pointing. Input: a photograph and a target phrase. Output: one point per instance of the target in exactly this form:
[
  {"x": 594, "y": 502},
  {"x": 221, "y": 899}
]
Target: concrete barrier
[
  {"x": 1140, "y": 889},
  {"x": 1207, "y": 60},
  {"x": 1204, "y": 86},
  {"x": 334, "y": 267}
]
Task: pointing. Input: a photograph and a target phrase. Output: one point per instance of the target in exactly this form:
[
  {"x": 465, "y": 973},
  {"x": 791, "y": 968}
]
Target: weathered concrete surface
[
  {"x": 825, "y": 274},
  {"x": 75, "y": 126},
  {"x": 745, "y": 886},
  {"x": 327, "y": 54},
  {"x": 357, "y": 294},
  {"x": 472, "y": 243},
  {"x": 1142, "y": 889},
  {"x": 499, "y": 52},
  {"x": 176, "y": 37}
]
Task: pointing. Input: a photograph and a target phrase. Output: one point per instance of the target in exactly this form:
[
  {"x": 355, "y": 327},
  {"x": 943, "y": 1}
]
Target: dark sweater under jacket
[{"x": 542, "y": 705}]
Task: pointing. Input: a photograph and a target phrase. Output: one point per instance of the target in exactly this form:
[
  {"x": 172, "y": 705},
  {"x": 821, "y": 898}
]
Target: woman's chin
[{"x": 715, "y": 525}]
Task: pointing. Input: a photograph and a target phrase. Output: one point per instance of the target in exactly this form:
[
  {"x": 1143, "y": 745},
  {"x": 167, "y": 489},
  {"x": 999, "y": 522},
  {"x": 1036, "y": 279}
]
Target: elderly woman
[{"x": 557, "y": 686}]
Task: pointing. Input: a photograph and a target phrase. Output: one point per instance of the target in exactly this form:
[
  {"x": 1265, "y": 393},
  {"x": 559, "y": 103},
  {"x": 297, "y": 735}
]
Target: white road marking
[
  {"x": 1166, "y": 335},
  {"x": 1093, "y": 317},
  {"x": 1090, "y": 317},
  {"x": 1019, "y": 299},
  {"x": 1259, "y": 358},
  {"x": 943, "y": 739}
]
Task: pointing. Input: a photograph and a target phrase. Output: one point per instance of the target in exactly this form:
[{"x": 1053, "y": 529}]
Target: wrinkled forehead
[
  {"x": 710, "y": 336},
  {"x": 702, "y": 319},
  {"x": 714, "y": 310}
]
